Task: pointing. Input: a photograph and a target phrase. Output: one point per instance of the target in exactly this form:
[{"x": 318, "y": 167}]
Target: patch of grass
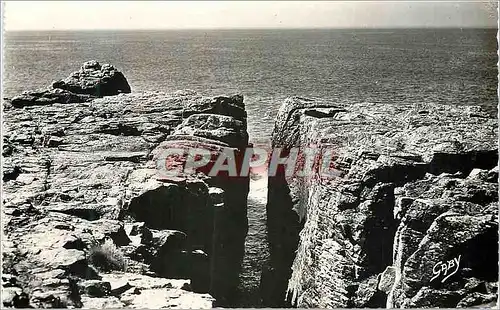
[{"x": 107, "y": 257}]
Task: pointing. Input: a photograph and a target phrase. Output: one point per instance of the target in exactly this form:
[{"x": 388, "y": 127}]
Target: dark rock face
[
  {"x": 81, "y": 174},
  {"x": 412, "y": 190},
  {"x": 47, "y": 97}
]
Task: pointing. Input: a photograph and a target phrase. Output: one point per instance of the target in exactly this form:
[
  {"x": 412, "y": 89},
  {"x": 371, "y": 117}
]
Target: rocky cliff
[
  {"x": 410, "y": 219},
  {"x": 88, "y": 219}
]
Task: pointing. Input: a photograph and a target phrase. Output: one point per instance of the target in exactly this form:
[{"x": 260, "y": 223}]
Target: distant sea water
[
  {"x": 452, "y": 66},
  {"x": 414, "y": 65}
]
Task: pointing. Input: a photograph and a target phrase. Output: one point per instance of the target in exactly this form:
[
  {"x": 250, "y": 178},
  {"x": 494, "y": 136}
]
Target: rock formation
[
  {"x": 96, "y": 80},
  {"x": 88, "y": 220},
  {"x": 92, "y": 80},
  {"x": 417, "y": 187}
]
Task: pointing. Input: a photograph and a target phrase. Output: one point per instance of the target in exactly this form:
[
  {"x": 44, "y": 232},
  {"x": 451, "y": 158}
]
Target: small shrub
[{"x": 107, "y": 257}]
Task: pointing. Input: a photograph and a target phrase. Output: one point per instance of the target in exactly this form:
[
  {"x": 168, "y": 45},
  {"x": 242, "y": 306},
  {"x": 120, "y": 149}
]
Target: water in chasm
[{"x": 256, "y": 246}]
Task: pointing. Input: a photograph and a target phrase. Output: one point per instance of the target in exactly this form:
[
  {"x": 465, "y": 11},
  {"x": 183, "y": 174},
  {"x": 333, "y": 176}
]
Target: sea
[{"x": 450, "y": 66}]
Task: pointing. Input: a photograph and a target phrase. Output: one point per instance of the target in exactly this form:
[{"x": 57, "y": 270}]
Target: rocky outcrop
[
  {"x": 83, "y": 197},
  {"x": 96, "y": 80},
  {"x": 91, "y": 81},
  {"x": 408, "y": 219}
]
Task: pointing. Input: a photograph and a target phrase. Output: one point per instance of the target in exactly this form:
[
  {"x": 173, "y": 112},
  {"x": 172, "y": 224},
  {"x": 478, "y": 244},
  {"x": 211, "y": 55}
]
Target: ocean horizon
[{"x": 443, "y": 65}]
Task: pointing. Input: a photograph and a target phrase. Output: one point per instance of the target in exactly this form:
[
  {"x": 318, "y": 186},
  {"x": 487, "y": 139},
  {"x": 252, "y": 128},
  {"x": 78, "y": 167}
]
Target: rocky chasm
[
  {"x": 87, "y": 220},
  {"x": 418, "y": 190}
]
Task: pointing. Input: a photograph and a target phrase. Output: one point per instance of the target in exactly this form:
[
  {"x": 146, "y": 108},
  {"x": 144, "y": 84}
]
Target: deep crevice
[{"x": 463, "y": 162}]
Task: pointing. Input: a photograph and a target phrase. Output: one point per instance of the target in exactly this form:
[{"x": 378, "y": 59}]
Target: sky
[{"x": 61, "y": 15}]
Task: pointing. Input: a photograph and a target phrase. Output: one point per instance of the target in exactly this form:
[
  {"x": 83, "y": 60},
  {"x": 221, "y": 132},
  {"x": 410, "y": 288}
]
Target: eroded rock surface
[
  {"x": 415, "y": 186},
  {"x": 78, "y": 175}
]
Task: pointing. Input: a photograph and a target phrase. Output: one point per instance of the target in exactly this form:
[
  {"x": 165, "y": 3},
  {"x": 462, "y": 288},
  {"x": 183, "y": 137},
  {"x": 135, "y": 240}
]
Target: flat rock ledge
[
  {"x": 88, "y": 220},
  {"x": 417, "y": 187}
]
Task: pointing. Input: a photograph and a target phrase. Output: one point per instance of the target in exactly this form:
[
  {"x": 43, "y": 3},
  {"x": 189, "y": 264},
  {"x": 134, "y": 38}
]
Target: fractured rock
[
  {"x": 77, "y": 168},
  {"x": 409, "y": 191}
]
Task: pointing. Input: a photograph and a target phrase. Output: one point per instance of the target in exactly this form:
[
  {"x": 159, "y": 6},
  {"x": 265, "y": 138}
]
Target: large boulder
[
  {"x": 221, "y": 128},
  {"x": 91, "y": 81},
  {"x": 96, "y": 80}
]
